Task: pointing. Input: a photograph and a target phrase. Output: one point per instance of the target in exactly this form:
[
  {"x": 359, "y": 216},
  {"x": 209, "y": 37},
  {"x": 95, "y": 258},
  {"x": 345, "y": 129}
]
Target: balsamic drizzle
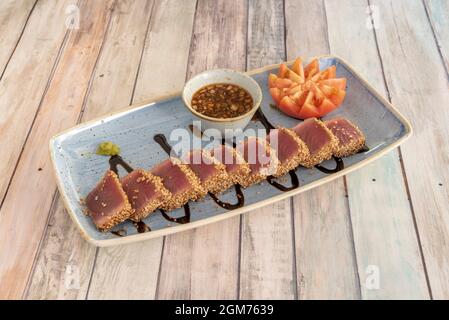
[
  {"x": 114, "y": 162},
  {"x": 180, "y": 220},
  {"x": 240, "y": 199},
  {"x": 338, "y": 167},
  {"x": 293, "y": 177},
  {"x": 365, "y": 148},
  {"x": 141, "y": 227},
  {"x": 162, "y": 141}
]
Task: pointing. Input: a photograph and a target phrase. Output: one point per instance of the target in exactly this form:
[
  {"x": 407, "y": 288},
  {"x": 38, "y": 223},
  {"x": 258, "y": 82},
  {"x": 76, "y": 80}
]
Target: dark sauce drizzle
[
  {"x": 293, "y": 177},
  {"x": 338, "y": 167},
  {"x": 162, "y": 141},
  {"x": 114, "y": 162},
  {"x": 230, "y": 206},
  {"x": 238, "y": 189}
]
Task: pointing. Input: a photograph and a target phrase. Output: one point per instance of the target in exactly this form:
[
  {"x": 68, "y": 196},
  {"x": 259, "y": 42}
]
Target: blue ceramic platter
[{"x": 78, "y": 168}]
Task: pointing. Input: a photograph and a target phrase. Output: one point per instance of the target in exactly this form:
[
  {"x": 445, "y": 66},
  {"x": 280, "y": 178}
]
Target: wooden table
[{"x": 381, "y": 232}]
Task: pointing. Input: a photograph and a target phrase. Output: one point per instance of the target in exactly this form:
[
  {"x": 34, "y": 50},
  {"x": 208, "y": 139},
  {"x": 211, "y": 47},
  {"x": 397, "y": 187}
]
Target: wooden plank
[
  {"x": 267, "y": 253},
  {"x": 13, "y": 19},
  {"x": 131, "y": 271},
  {"x": 63, "y": 250},
  {"x": 60, "y": 109},
  {"x": 423, "y": 99},
  {"x": 439, "y": 18},
  {"x": 203, "y": 263},
  {"x": 384, "y": 234},
  {"x": 325, "y": 260},
  {"x": 28, "y": 73}
]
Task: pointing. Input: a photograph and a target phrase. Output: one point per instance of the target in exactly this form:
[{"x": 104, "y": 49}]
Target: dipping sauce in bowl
[{"x": 222, "y": 101}]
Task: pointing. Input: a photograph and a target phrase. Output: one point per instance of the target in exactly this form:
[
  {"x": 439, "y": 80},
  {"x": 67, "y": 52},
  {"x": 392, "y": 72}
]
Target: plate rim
[{"x": 191, "y": 225}]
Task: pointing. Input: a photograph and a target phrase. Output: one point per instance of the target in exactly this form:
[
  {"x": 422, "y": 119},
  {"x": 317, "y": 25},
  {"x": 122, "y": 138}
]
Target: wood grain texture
[
  {"x": 325, "y": 259},
  {"x": 60, "y": 109},
  {"x": 267, "y": 253},
  {"x": 168, "y": 40},
  {"x": 117, "y": 67},
  {"x": 203, "y": 263},
  {"x": 28, "y": 73},
  {"x": 382, "y": 222},
  {"x": 423, "y": 100},
  {"x": 438, "y": 11},
  {"x": 13, "y": 18}
]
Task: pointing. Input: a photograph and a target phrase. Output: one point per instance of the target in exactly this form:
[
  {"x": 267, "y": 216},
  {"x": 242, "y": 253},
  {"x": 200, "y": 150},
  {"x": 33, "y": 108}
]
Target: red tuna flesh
[
  {"x": 345, "y": 131},
  {"x": 140, "y": 190},
  {"x": 284, "y": 144},
  {"x": 314, "y": 135},
  {"x": 107, "y": 200},
  {"x": 173, "y": 178},
  {"x": 202, "y": 165}
]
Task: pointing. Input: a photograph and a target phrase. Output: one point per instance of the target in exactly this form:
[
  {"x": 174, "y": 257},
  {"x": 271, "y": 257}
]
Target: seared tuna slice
[
  {"x": 261, "y": 159},
  {"x": 236, "y": 167},
  {"x": 145, "y": 193},
  {"x": 319, "y": 140},
  {"x": 107, "y": 204},
  {"x": 212, "y": 173},
  {"x": 290, "y": 150},
  {"x": 350, "y": 139},
  {"x": 180, "y": 180}
]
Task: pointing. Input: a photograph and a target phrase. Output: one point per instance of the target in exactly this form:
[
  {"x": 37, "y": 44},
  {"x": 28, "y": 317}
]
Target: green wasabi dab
[{"x": 108, "y": 149}]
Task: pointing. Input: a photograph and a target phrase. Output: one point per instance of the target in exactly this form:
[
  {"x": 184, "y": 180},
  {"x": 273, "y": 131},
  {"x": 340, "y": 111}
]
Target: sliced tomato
[
  {"x": 312, "y": 68},
  {"x": 272, "y": 80},
  {"x": 294, "y": 89},
  {"x": 326, "y": 106},
  {"x": 339, "y": 83},
  {"x": 327, "y": 90},
  {"x": 283, "y": 69},
  {"x": 289, "y": 107},
  {"x": 276, "y": 94},
  {"x": 282, "y": 83},
  {"x": 307, "y": 92},
  {"x": 309, "y": 111},
  {"x": 294, "y": 77},
  {"x": 338, "y": 97},
  {"x": 298, "y": 68}
]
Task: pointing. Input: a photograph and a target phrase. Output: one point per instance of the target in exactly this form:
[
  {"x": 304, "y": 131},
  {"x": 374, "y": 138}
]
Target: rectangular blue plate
[{"x": 78, "y": 168}]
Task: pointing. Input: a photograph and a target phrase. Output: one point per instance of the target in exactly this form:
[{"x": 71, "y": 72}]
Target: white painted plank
[
  {"x": 418, "y": 85},
  {"x": 116, "y": 68},
  {"x": 438, "y": 11},
  {"x": 325, "y": 258},
  {"x": 267, "y": 253},
  {"x": 203, "y": 263},
  {"x": 131, "y": 271},
  {"x": 13, "y": 17},
  {"x": 60, "y": 108},
  {"x": 382, "y": 221}
]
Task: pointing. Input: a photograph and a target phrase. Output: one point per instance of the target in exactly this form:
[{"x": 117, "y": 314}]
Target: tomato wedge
[
  {"x": 304, "y": 92},
  {"x": 312, "y": 69},
  {"x": 298, "y": 68},
  {"x": 339, "y": 83},
  {"x": 288, "y": 106}
]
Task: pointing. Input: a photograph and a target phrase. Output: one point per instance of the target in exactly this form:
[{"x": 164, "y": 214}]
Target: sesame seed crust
[
  {"x": 155, "y": 203},
  {"x": 120, "y": 216},
  {"x": 298, "y": 158},
  {"x": 194, "y": 193}
]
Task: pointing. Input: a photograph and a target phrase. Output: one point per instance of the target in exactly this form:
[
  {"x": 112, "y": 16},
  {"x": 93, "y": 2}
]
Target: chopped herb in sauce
[
  {"x": 222, "y": 100},
  {"x": 108, "y": 149}
]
